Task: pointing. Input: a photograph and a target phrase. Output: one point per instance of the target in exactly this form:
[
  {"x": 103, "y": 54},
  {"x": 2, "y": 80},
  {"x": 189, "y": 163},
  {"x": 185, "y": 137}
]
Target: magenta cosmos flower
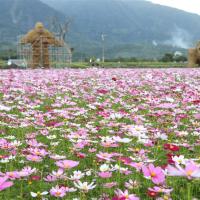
[
  {"x": 67, "y": 164},
  {"x": 156, "y": 174},
  {"x": 4, "y": 183}
]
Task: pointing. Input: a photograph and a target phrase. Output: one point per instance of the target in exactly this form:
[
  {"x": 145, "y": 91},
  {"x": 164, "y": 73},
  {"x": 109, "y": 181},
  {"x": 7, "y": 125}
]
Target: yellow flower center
[
  {"x": 11, "y": 174},
  {"x": 38, "y": 194},
  {"x": 66, "y": 165},
  {"x": 85, "y": 187},
  {"x": 166, "y": 197},
  {"x": 189, "y": 172},
  {"x": 153, "y": 174},
  {"x": 58, "y": 194},
  {"x": 37, "y": 153},
  {"x": 126, "y": 196}
]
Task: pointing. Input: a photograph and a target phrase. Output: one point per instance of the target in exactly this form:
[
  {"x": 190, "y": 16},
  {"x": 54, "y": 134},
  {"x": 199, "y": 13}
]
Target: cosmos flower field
[{"x": 100, "y": 134}]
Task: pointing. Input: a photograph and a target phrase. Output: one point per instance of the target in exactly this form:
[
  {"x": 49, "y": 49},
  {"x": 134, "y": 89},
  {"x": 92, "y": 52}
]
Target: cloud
[
  {"x": 187, "y": 5},
  {"x": 179, "y": 38}
]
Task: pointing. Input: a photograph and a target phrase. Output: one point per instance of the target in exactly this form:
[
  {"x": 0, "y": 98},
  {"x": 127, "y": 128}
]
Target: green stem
[{"x": 189, "y": 191}]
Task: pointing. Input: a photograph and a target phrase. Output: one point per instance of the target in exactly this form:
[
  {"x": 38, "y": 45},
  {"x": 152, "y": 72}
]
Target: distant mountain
[
  {"x": 132, "y": 28},
  {"x": 18, "y": 16},
  {"x": 127, "y": 22}
]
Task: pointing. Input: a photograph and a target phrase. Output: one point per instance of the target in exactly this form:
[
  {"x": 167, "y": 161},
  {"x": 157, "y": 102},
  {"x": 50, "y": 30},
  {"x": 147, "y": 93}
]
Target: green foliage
[
  {"x": 180, "y": 58},
  {"x": 8, "y": 54},
  {"x": 2, "y": 63},
  {"x": 170, "y": 57}
]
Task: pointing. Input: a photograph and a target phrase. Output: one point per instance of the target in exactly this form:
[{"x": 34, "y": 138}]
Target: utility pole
[{"x": 103, "y": 47}]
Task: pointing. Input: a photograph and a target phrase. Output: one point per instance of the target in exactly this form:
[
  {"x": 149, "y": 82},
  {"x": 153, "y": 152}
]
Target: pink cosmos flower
[
  {"x": 58, "y": 191},
  {"x": 34, "y": 158},
  {"x": 191, "y": 170},
  {"x": 58, "y": 174},
  {"x": 50, "y": 178},
  {"x": 11, "y": 175},
  {"x": 197, "y": 116},
  {"x": 105, "y": 174},
  {"x": 34, "y": 143},
  {"x": 4, "y": 183},
  {"x": 156, "y": 174},
  {"x": 108, "y": 144},
  {"x": 67, "y": 164},
  {"x": 57, "y": 157},
  {"x": 105, "y": 156},
  {"x": 38, "y": 152},
  {"x": 92, "y": 150},
  {"x": 124, "y": 195},
  {"x": 110, "y": 185},
  {"x": 137, "y": 166},
  {"x": 27, "y": 171},
  {"x": 157, "y": 189}
]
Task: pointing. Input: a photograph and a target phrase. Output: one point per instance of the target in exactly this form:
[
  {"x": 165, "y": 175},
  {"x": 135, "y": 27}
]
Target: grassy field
[
  {"x": 100, "y": 134},
  {"x": 2, "y": 63},
  {"x": 142, "y": 64}
]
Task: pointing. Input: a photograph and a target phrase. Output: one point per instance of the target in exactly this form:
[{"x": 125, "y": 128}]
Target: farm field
[
  {"x": 100, "y": 134},
  {"x": 125, "y": 64}
]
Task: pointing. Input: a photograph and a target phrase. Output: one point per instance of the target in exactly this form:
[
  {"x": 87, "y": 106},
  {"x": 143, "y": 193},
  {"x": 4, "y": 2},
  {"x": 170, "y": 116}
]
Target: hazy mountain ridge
[
  {"x": 128, "y": 21},
  {"x": 131, "y": 23},
  {"x": 18, "y": 16}
]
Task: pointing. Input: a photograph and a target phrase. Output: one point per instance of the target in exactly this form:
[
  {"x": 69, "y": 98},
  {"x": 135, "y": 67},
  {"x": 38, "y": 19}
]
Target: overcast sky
[{"x": 188, "y": 5}]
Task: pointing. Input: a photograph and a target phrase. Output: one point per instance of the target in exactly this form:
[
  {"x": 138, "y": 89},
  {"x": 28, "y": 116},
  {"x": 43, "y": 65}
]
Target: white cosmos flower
[
  {"x": 88, "y": 173},
  {"x": 77, "y": 175},
  {"x": 11, "y": 157},
  {"x": 51, "y": 137},
  {"x": 196, "y": 133},
  {"x": 104, "y": 168},
  {"x": 122, "y": 140},
  {"x": 116, "y": 116},
  {"x": 54, "y": 143},
  {"x": 183, "y": 133},
  {"x": 5, "y": 108},
  {"x": 161, "y": 136},
  {"x": 143, "y": 140},
  {"x": 92, "y": 106},
  {"x": 169, "y": 99},
  {"x": 138, "y": 128},
  {"x": 57, "y": 157},
  {"x": 11, "y": 137},
  {"x": 16, "y": 143},
  {"x": 179, "y": 159},
  {"x": 85, "y": 186},
  {"x": 38, "y": 194},
  {"x": 4, "y": 160}
]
